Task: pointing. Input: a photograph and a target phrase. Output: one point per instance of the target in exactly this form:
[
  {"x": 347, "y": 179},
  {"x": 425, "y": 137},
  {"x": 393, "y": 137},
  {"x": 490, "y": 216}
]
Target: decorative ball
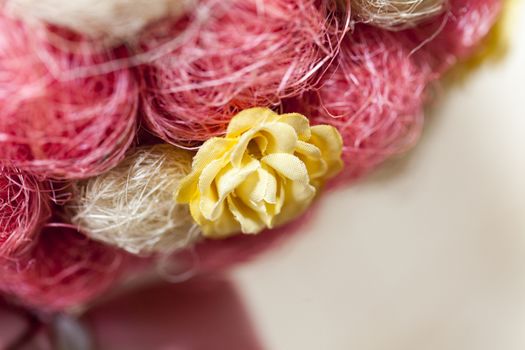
[
  {"x": 227, "y": 56},
  {"x": 374, "y": 95},
  {"x": 114, "y": 20},
  {"x": 24, "y": 207},
  {"x": 64, "y": 269},
  {"x": 455, "y": 35},
  {"x": 60, "y": 117},
  {"x": 132, "y": 206}
]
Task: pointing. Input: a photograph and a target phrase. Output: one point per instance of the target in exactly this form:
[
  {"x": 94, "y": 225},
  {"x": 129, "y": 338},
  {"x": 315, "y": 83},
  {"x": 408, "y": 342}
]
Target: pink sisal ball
[
  {"x": 230, "y": 55},
  {"x": 64, "y": 269},
  {"x": 55, "y": 119},
  {"x": 24, "y": 207},
  {"x": 456, "y": 34},
  {"x": 373, "y": 94}
]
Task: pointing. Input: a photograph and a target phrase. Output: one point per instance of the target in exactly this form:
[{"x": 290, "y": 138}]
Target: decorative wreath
[{"x": 132, "y": 131}]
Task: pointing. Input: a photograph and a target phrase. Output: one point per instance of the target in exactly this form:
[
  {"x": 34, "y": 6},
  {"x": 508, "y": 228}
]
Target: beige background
[{"x": 428, "y": 253}]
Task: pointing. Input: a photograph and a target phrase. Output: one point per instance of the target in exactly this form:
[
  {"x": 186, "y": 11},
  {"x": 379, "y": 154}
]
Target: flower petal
[
  {"x": 288, "y": 166},
  {"x": 311, "y": 156},
  {"x": 187, "y": 188},
  {"x": 248, "y": 118},
  {"x": 226, "y": 225},
  {"x": 281, "y": 137},
  {"x": 248, "y": 219},
  {"x": 209, "y": 197},
  {"x": 233, "y": 177},
  {"x": 329, "y": 141},
  {"x": 239, "y": 149},
  {"x": 299, "y": 122},
  {"x": 298, "y": 198},
  {"x": 212, "y": 149},
  {"x": 258, "y": 192}
]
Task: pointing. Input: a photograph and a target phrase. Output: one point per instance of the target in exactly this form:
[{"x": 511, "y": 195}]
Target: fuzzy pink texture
[
  {"x": 230, "y": 55},
  {"x": 373, "y": 94},
  {"x": 455, "y": 35},
  {"x": 64, "y": 269},
  {"x": 55, "y": 121},
  {"x": 24, "y": 207}
]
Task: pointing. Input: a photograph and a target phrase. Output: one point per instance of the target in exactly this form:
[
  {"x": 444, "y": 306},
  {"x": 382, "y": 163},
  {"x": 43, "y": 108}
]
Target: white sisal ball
[
  {"x": 132, "y": 206},
  {"x": 114, "y": 20},
  {"x": 396, "y": 14}
]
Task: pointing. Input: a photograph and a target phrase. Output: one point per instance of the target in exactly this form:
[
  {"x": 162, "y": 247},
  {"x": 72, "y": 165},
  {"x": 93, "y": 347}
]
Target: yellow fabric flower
[{"x": 263, "y": 173}]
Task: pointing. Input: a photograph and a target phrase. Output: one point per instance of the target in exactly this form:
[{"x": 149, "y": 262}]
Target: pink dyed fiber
[
  {"x": 24, "y": 207},
  {"x": 231, "y": 55},
  {"x": 455, "y": 35},
  {"x": 53, "y": 123},
  {"x": 373, "y": 94},
  {"x": 64, "y": 269}
]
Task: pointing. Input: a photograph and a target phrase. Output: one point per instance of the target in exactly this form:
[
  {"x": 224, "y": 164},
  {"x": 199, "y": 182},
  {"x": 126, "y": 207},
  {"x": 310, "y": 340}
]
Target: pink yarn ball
[
  {"x": 373, "y": 94},
  {"x": 456, "y": 34},
  {"x": 226, "y": 56},
  {"x": 55, "y": 120},
  {"x": 24, "y": 207},
  {"x": 64, "y": 269}
]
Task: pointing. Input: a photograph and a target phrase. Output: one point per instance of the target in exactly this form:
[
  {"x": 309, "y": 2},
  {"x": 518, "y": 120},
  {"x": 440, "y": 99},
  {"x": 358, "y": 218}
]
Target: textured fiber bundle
[
  {"x": 231, "y": 55},
  {"x": 454, "y": 35},
  {"x": 396, "y": 14},
  {"x": 64, "y": 269},
  {"x": 24, "y": 206},
  {"x": 374, "y": 95},
  {"x": 132, "y": 205},
  {"x": 54, "y": 121},
  {"x": 113, "y": 20}
]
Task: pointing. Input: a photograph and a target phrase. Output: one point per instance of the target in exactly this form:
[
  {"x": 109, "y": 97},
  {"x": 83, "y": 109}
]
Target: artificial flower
[{"x": 264, "y": 172}]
